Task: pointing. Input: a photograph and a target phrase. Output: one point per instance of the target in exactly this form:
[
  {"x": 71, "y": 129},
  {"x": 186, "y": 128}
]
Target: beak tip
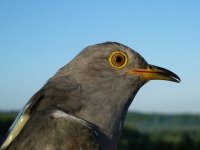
[
  {"x": 175, "y": 78},
  {"x": 178, "y": 80}
]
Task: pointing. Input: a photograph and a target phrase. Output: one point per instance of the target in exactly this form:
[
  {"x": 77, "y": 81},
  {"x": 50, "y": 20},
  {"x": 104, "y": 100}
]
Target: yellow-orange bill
[{"x": 156, "y": 73}]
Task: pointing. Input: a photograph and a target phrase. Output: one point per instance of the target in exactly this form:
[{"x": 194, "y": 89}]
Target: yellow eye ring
[{"x": 118, "y": 59}]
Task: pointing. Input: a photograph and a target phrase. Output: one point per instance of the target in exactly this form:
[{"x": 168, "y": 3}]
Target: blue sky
[{"x": 39, "y": 37}]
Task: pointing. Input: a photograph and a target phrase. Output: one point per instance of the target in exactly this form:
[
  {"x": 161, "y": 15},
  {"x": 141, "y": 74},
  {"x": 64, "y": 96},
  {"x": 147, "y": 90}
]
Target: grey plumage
[{"x": 83, "y": 106}]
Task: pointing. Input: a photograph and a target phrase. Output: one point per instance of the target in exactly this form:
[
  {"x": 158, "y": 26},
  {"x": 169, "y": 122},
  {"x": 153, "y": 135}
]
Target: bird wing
[
  {"x": 42, "y": 124},
  {"x": 55, "y": 129},
  {"x": 20, "y": 121}
]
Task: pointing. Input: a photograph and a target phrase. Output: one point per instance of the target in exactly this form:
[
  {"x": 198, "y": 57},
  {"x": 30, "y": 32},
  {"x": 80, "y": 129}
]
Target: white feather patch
[
  {"x": 61, "y": 114},
  {"x": 16, "y": 127}
]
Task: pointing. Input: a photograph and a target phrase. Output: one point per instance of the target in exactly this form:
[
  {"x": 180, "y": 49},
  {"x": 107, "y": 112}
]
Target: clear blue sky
[{"x": 39, "y": 37}]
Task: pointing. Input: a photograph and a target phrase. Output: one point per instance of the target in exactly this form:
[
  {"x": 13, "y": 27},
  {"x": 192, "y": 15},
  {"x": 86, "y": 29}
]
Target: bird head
[{"x": 111, "y": 61}]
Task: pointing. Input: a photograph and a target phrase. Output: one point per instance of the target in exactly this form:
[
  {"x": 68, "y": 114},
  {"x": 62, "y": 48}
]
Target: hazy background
[{"x": 39, "y": 37}]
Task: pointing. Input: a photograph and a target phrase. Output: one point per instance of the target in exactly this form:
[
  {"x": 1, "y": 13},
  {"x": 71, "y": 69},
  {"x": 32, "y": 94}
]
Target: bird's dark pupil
[{"x": 118, "y": 59}]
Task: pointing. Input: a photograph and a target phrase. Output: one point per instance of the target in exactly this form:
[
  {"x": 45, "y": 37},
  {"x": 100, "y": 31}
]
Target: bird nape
[{"x": 83, "y": 106}]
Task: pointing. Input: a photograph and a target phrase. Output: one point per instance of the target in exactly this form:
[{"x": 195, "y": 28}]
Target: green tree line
[{"x": 146, "y": 131}]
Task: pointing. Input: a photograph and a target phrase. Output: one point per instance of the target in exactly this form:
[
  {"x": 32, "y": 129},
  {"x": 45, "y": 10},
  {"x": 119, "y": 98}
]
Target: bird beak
[{"x": 155, "y": 73}]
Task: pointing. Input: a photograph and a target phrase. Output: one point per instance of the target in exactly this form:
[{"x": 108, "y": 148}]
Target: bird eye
[{"x": 118, "y": 59}]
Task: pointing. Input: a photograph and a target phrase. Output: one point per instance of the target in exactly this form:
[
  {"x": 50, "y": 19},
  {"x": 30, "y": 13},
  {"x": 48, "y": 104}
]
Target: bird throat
[{"x": 108, "y": 119}]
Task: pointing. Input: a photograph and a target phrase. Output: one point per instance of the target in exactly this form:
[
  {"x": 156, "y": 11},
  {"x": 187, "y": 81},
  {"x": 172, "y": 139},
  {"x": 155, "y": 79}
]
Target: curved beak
[{"x": 156, "y": 73}]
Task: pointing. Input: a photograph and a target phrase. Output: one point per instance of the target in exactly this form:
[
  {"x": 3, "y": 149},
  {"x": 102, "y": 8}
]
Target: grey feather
[{"x": 83, "y": 106}]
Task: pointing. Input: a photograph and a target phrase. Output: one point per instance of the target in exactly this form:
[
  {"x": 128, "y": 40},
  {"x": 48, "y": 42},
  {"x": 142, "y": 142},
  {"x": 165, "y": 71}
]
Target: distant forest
[{"x": 146, "y": 131}]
